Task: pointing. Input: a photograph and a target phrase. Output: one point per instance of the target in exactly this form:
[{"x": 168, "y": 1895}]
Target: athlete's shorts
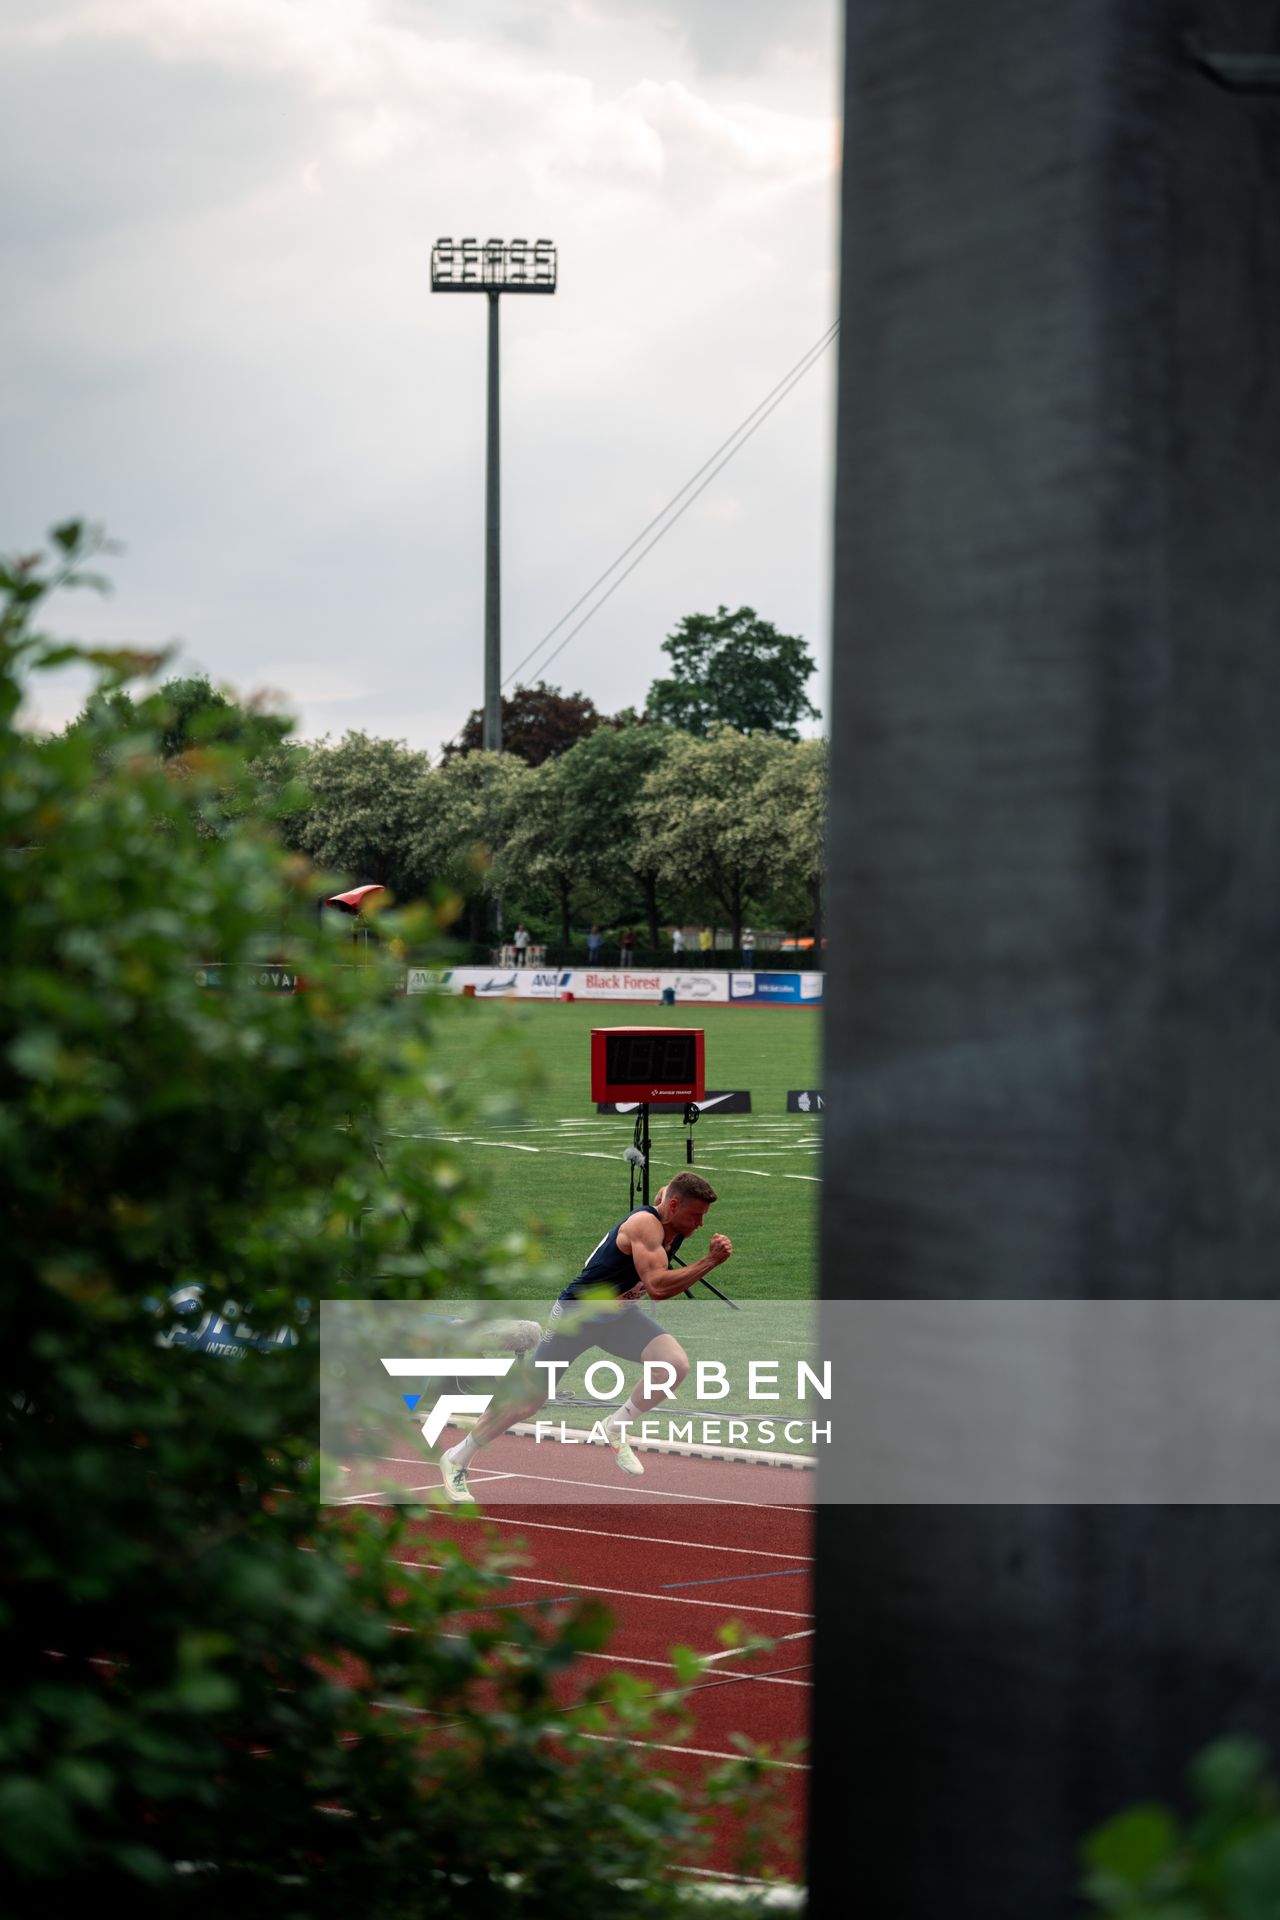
[{"x": 624, "y": 1332}]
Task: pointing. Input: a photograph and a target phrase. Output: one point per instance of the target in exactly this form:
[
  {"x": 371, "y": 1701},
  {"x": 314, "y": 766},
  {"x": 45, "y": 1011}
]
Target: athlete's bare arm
[{"x": 641, "y": 1236}]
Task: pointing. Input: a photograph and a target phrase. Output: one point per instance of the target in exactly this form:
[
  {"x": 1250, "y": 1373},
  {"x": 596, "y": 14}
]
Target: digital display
[
  {"x": 647, "y": 1063},
  {"x": 663, "y": 1058}
]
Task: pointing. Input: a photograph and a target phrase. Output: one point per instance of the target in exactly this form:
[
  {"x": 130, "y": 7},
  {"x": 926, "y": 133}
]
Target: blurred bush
[
  {"x": 1221, "y": 1863},
  {"x": 220, "y": 1697}
]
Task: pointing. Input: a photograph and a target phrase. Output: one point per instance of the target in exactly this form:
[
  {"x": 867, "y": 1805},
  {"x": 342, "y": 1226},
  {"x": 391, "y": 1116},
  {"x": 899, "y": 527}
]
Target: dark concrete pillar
[{"x": 1053, "y": 1023}]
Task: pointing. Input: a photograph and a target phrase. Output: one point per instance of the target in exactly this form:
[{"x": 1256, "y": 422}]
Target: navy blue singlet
[{"x": 609, "y": 1267}]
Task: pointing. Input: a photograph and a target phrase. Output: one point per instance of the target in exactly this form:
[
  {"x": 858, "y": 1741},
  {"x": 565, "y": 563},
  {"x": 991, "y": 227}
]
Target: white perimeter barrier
[{"x": 606, "y": 983}]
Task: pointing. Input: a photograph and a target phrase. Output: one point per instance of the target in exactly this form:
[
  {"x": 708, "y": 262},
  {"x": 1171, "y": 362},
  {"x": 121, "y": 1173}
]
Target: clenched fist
[{"x": 720, "y": 1249}]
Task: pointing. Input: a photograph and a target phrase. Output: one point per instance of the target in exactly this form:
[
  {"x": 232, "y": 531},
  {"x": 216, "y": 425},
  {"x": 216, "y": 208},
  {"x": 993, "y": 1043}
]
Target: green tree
[
  {"x": 712, "y": 817},
  {"x": 469, "y": 811},
  {"x": 537, "y": 849},
  {"x": 600, "y": 797},
  {"x": 793, "y": 794},
  {"x": 189, "y": 719},
  {"x": 367, "y": 799},
  {"x": 733, "y": 669},
  {"x": 189, "y": 712},
  {"x": 537, "y": 723},
  {"x": 190, "y": 1696}
]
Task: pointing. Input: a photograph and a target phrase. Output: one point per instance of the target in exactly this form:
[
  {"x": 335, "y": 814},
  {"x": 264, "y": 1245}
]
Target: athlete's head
[{"x": 684, "y": 1202}]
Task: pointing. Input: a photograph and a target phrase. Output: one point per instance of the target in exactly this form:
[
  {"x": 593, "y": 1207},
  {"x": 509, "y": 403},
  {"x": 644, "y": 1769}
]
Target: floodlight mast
[{"x": 497, "y": 267}]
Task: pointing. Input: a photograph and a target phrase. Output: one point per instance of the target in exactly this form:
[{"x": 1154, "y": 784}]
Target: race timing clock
[{"x": 647, "y": 1063}]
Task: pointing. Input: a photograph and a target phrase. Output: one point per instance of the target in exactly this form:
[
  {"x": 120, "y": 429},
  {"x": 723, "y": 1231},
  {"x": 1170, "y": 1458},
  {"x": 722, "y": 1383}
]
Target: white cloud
[{"x": 226, "y": 347}]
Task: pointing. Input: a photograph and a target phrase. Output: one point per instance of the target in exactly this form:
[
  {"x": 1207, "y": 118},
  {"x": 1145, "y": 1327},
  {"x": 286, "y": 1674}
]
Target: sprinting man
[{"x": 633, "y": 1263}]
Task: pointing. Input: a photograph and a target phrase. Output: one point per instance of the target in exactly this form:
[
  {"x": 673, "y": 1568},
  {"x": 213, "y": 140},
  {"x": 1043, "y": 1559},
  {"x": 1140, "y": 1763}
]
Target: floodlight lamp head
[{"x": 493, "y": 266}]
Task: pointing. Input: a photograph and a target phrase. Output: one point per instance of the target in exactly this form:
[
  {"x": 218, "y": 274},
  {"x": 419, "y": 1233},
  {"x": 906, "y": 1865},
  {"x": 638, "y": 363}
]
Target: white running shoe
[
  {"x": 626, "y": 1459},
  {"x": 455, "y": 1481}
]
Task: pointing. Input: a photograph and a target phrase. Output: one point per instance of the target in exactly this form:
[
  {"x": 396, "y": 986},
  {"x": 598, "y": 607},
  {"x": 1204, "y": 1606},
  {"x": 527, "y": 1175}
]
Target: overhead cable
[{"x": 714, "y": 465}]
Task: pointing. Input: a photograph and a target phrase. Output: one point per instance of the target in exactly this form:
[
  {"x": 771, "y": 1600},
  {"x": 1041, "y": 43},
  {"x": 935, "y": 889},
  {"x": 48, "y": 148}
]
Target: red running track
[{"x": 702, "y": 1545}]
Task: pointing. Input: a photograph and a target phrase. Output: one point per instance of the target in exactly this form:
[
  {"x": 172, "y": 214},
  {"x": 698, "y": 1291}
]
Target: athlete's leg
[
  {"x": 498, "y": 1418},
  {"x": 527, "y": 1395},
  {"x": 668, "y": 1368},
  {"x": 667, "y": 1365}
]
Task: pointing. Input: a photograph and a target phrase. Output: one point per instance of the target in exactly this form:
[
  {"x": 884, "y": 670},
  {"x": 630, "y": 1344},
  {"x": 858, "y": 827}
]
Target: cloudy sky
[{"x": 219, "y": 338}]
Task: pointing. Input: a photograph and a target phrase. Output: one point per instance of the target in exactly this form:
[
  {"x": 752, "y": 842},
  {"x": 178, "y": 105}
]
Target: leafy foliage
[
  {"x": 188, "y": 718},
  {"x": 716, "y": 817},
  {"x": 367, "y": 799},
  {"x": 462, "y": 836},
  {"x": 733, "y": 669},
  {"x": 189, "y": 712},
  {"x": 192, "y": 1650},
  {"x": 587, "y": 837},
  {"x": 537, "y": 723},
  {"x": 1222, "y": 1864},
  {"x": 792, "y": 796}
]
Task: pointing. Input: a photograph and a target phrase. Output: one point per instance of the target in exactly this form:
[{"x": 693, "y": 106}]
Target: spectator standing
[
  {"x": 595, "y": 940},
  {"x": 677, "y": 942},
  {"x": 626, "y": 946},
  {"x": 748, "y": 947},
  {"x": 520, "y": 940},
  {"x": 704, "y": 941}
]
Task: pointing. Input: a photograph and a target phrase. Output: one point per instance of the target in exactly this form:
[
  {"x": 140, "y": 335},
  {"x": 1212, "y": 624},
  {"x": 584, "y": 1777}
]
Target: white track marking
[
  {"x": 618, "y": 1486},
  {"x": 612, "y": 1593},
  {"x": 605, "y": 1739},
  {"x": 634, "y": 1660},
  {"x": 650, "y": 1539},
  {"x": 569, "y": 1153},
  {"x": 702, "y": 1753},
  {"x": 736, "y": 1653},
  {"x": 380, "y": 1495}
]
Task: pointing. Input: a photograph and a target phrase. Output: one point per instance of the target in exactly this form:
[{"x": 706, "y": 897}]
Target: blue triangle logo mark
[{"x": 411, "y": 1400}]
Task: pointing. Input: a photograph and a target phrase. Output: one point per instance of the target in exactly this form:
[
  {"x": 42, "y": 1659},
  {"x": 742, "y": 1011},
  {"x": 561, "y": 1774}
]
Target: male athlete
[{"x": 632, "y": 1263}]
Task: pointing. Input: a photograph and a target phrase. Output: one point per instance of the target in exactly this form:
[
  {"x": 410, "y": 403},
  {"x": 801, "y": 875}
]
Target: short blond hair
[{"x": 692, "y": 1186}]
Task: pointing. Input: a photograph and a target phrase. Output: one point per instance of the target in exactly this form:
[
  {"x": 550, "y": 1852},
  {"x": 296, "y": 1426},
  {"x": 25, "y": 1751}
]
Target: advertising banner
[
  {"x": 543, "y": 983},
  {"x": 268, "y": 979},
  {"x": 775, "y": 989},
  {"x": 699, "y": 986},
  {"x": 616, "y": 983}
]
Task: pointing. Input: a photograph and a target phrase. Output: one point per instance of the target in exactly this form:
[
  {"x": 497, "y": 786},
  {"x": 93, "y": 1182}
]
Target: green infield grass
[{"x": 552, "y": 1165}]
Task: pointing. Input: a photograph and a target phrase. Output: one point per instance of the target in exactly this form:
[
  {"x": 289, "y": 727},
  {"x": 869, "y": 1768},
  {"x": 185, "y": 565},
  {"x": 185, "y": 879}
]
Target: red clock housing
[{"x": 647, "y": 1063}]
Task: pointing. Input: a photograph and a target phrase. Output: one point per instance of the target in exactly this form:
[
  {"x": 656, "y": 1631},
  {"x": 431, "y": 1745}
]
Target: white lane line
[
  {"x": 390, "y": 1496},
  {"x": 567, "y": 1153},
  {"x": 617, "y": 1488},
  {"x": 634, "y": 1660},
  {"x": 702, "y": 1753},
  {"x": 652, "y": 1539},
  {"x": 735, "y": 1653},
  {"x": 380, "y": 1494},
  {"x": 606, "y": 1739},
  {"x": 613, "y": 1593}
]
